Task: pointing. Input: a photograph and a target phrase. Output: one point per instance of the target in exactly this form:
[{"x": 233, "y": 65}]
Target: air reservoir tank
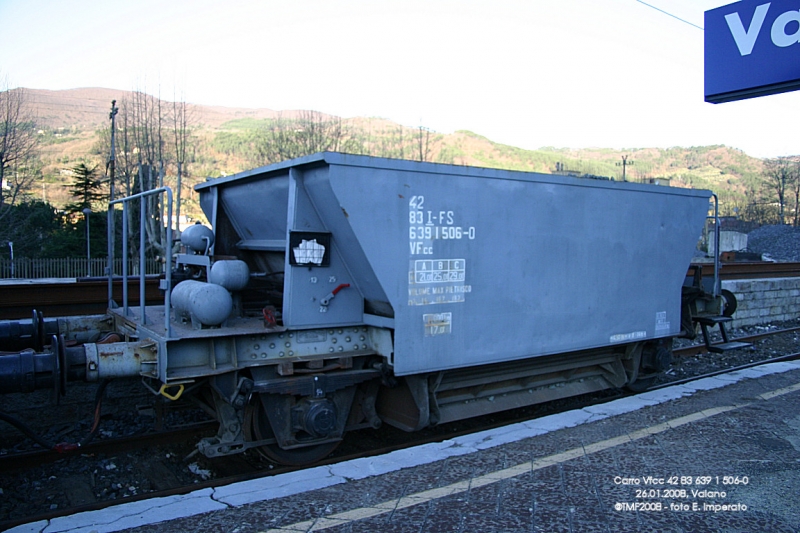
[
  {"x": 198, "y": 238},
  {"x": 206, "y": 303},
  {"x": 231, "y": 274}
]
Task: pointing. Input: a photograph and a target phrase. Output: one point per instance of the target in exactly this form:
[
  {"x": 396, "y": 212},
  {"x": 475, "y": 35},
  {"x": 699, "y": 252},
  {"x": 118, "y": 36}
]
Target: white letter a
[{"x": 746, "y": 40}]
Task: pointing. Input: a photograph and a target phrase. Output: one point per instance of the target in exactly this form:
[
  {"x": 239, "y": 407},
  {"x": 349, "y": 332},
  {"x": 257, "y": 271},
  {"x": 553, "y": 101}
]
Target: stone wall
[{"x": 761, "y": 301}]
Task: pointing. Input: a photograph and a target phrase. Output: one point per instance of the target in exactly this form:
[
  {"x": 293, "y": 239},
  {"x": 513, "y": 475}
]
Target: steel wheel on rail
[
  {"x": 729, "y": 303},
  {"x": 257, "y": 427},
  {"x": 642, "y": 384}
]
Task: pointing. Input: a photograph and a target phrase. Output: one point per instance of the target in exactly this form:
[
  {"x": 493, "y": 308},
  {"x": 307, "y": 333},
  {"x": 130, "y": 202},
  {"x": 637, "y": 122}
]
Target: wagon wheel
[
  {"x": 641, "y": 384},
  {"x": 257, "y": 427},
  {"x": 729, "y": 303}
]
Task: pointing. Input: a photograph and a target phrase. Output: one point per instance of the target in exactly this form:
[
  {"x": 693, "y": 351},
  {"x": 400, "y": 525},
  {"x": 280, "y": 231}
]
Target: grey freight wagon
[{"x": 339, "y": 291}]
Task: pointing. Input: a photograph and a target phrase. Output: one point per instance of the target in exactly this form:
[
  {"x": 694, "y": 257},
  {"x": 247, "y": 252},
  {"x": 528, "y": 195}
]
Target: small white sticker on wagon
[
  {"x": 437, "y": 323},
  {"x": 662, "y": 324},
  {"x": 623, "y": 337}
]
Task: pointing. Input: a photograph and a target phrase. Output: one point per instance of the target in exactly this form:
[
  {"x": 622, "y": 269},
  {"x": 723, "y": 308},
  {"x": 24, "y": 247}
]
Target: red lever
[
  {"x": 325, "y": 301},
  {"x": 340, "y": 287}
]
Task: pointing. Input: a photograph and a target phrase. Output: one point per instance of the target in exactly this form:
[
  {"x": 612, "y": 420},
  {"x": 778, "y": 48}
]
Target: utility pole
[
  {"x": 112, "y": 165},
  {"x": 624, "y": 164},
  {"x": 112, "y": 160},
  {"x": 87, "y": 212}
]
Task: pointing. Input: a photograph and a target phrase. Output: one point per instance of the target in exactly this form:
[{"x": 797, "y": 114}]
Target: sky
[{"x": 530, "y": 73}]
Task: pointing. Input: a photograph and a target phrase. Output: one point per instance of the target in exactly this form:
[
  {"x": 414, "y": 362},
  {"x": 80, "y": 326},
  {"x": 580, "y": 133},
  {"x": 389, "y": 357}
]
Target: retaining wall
[{"x": 761, "y": 301}]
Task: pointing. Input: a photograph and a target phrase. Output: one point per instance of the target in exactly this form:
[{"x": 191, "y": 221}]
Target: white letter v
[{"x": 746, "y": 40}]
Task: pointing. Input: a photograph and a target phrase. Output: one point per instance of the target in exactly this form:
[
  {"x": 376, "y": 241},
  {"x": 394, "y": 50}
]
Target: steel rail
[
  {"x": 753, "y": 270},
  {"x": 696, "y": 349},
  {"x": 88, "y": 297},
  {"x": 84, "y": 297},
  {"x": 779, "y": 359},
  {"x": 436, "y": 437},
  {"x": 22, "y": 460}
]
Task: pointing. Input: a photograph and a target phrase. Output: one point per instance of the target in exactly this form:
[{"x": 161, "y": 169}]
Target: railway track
[
  {"x": 90, "y": 295},
  {"x": 239, "y": 468},
  {"x": 29, "y": 459},
  {"x": 86, "y": 296},
  {"x": 697, "y": 349}
]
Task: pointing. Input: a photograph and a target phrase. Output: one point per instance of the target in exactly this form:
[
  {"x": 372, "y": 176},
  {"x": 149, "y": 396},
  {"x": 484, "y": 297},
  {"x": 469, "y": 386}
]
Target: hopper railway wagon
[{"x": 338, "y": 292}]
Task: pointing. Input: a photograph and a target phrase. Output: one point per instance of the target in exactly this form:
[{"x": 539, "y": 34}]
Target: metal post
[
  {"x": 11, "y": 245},
  {"x": 87, "y": 212},
  {"x": 124, "y": 258},
  {"x": 112, "y": 160},
  {"x": 717, "y": 279},
  {"x": 142, "y": 210},
  {"x": 142, "y": 219},
  {"x": 110, "y": 264},
  {"x": 168, "y": 296}
]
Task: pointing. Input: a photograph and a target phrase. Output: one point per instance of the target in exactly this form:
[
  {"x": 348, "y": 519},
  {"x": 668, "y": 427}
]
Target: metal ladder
[{"x": 727, "y": 344}]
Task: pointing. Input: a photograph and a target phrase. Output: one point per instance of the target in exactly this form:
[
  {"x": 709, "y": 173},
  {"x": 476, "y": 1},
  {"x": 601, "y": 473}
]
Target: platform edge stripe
[
  {"x": 299, "y": 526},
  {"x": 780, "y": 392},
  {"x": 454, "y": 446},
  {"x": 537, "y": 464},
  {"x": 603, "y": 445},
  {"x": 360, "y": 514},
  {"x": 328, "y": 522}
]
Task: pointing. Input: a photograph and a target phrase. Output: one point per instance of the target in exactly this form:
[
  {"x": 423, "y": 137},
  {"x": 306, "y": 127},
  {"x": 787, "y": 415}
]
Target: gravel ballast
[{"x": 775, "y": 243}]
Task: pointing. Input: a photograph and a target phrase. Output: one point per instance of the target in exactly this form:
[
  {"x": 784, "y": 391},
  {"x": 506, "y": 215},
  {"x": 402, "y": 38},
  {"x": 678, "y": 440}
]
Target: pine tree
[{"x": 86, "y": 187}]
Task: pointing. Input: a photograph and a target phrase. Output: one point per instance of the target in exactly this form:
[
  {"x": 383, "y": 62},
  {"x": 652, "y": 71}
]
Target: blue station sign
[{"x": 752, "y": 48}]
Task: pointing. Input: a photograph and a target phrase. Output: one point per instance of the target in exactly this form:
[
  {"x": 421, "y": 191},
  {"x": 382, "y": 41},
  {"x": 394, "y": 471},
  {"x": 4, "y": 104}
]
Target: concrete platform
[{"x": 721, "y": 455}]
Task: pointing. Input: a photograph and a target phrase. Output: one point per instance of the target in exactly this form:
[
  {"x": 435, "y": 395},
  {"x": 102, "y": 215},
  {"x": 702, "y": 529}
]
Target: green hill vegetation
[
  {"x": 222, "y": 141},
  {"x": 731, "y": 173}
]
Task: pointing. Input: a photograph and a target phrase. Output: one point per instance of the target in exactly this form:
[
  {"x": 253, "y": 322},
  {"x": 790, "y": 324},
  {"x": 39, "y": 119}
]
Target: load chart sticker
[
  {"x": 437, "y": 281},
  {"x": 432, "y": 280},
  {"x": 437, "y": 323}
]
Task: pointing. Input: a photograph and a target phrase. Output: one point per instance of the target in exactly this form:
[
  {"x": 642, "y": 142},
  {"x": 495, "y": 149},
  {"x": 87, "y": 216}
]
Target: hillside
[{"x": 72, "y": 122}]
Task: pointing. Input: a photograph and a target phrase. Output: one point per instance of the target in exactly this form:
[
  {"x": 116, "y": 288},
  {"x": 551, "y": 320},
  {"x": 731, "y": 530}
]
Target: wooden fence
[{"x": 70, "y": 267}]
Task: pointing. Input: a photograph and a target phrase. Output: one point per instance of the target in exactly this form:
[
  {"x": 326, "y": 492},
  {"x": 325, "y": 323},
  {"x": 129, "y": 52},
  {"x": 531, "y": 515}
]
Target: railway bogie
[{"x": 338, "y": 292}]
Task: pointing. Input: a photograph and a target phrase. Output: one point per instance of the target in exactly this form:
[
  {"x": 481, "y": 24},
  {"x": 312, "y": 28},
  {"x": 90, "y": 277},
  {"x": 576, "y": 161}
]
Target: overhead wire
[{"x": 671, "y": 15}]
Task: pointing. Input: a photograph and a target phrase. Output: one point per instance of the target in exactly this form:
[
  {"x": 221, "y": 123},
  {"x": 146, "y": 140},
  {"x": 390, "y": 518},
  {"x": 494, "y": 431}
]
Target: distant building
[{"x": 563, "y": 171}]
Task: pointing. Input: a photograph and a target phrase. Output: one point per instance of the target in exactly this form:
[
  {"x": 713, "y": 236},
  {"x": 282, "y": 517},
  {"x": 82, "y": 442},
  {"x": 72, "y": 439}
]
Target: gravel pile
[{"x": 779, "y": 243}]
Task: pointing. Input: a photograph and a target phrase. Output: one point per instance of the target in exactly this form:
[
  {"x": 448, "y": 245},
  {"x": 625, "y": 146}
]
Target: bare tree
[
  {"x": 18, "y": 142},
  {"x": 153, "y": 137},
  {"x": 311, "y": 132},
  {"x": 401, "y": 142},
  {"x": 126, "y": 158},
  {"x": 181, "y": 119},
  {"x": 148, "y": 120},
  {"x": 424, "y": 143},
  {"x": 779, "y": 174},
  {"x": 794, "y": 187},
  {"x": 395, "y": 140}
]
